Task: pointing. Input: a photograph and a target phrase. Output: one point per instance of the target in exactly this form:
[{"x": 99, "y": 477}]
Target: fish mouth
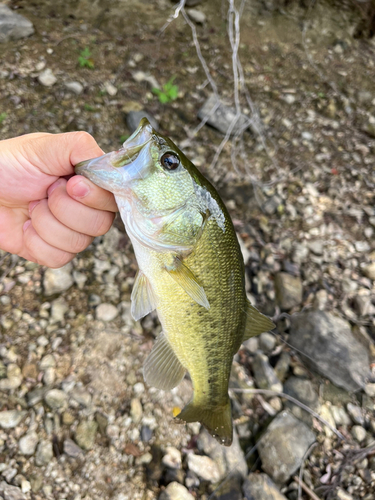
[{"x": 114, "y": 171}]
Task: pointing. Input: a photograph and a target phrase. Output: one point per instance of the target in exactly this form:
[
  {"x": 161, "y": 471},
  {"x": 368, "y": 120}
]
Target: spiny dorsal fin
[
  {"x": 162, "y": 368},
  {"x": 186, "y": 279},
  {"x": 142, "y": 297},
  {"x": 256, "y": 322}
]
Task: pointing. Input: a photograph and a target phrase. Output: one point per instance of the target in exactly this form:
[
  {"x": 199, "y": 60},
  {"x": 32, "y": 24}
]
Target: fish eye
[{"x": 170, "y": 161}]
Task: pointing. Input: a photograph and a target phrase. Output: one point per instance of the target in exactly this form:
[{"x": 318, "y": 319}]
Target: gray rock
[
  {"x": 283, "y": 446},
  {"x": 356, "y": 413},
  {"x": 56, "y": 399},
  {"x": 228, "y": 459},
  {"x": 222, "y": 117},
  {"x": 261, "y": 487},
  {"x": 71, "y": 449},
  {"x": 7, "y": 491},
  {"x": 11, "y": 418},
  {"x": 176, "y": 491},
  {"x": 303, "y": 391},
  {"x": 204, "y": 467},
  {"x": 288, "y": 290},
  {"x": 271, "y": 205},
  {"x": 329, "y": 347},
  {"x": 136, "y": 410},
  {"x": 282, "y": 365},
  {"x": 47, "y": 361},
  {"x": 134, "y": 117},
  {"x": 13, "y": 379},
  {"x": 197, "y": 16},
  {"x": 57, "y": 280},
  {"x": 81, "y": 396},
  {"x": 370, "y": 390},
  {"x": 44, "y": 453},
  {"x": 75, "y": 87},
  {"x": 86, "y": 434},
  {"x": 47, "y": 78},
  {"x": 34, "y": 397},
  {"x": 80, "y": 279},
  {"x": 369, "y": 271},
  {"x": 13, "y": 26},
  {"x": 317, "y": 247},
  {"x": 106, "y": 312},
  {"x": 264, "y": 375},
  {"x": 58, "y": 309},
  {"x": 27, "y": 444},
  {"x": 340, "y": 416},
  {"x": 359, "y": 433},
  {"x": 267, "y": 341}
]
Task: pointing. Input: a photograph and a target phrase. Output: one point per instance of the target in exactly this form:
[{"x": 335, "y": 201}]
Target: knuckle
[
  {"x": 102, "y": 223},
  {"x": 79, "y": 242}
]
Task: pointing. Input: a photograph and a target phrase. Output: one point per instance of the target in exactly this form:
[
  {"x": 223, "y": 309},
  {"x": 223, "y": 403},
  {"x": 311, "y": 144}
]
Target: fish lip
[{"x": 112, "y": 171}]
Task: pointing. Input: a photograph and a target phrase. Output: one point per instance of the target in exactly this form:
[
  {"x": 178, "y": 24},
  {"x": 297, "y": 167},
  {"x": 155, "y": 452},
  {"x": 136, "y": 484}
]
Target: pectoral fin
[
  {"x": 162, "y": 368},
  {"x": 142, "y": 297},
  {"x": 186, "y": 279},
  {"x": 256, "y": 322}
]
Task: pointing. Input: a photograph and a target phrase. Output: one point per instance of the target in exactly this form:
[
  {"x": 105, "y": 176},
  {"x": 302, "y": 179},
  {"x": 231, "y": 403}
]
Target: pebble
[
  {"x": 321, "y": 337},
  {"x": 11, "y": 418},
  {"x": 110, "y": 89},
  {"x": 340, "y": 416},
  {"x": 56, "y": 399},
  {"x": 282, "y": 365},
  {"x": 86, "y": 433},
  {"x": 13, "y": 26},
  {"x": 81, "y": 396},
  {"x": 10, "y": 492},
  {"x": 30, "y": 370},
  {"x": 146, "y": 433},
  {"x": 370, "y": 390},
  {"x": 28, "y": 443},
  {"x": 359, "y": 433},
  {"x": 76, "y": 88},
  {"x": 267, "y": 341},
  {"x": 47, "y": 78},
  {"x": 106, "y": 312},
  {"x": 44, "y": 453},
  {"x": 57, "y": 280},
  {"x": 264, "y": 375},
  {"x": 303, "y": 391},
  {"x": 369, "y": 271},
  {"x": 355, "y": 413},
  {"x": 343, "y": 495},
  {"x": 136, "y": 410},
  {"x": 222, "y": 117},
  {"x": 288, "y": 290},
  {"x": 197, "y": 16},
  {"x": 176, "y": 491},
  {"x": 58, "y": 309},
  {"x": 283, "y": 446},
  {"x": 49, "y": 376},
  {"x": 204, "y": 467},
  {"x": 80, "y": 279},
  {"x": 71, "y": 449},
  {"x": 13, "y": 379},
  {"x": 47, "y": 361},
  {"x": 261, "y": 487},
  {"x": 172, "y": 458}
]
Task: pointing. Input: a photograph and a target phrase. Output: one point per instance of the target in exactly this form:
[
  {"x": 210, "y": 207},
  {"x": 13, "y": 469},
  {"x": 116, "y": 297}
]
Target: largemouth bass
[{"x": 191, "y": 270}]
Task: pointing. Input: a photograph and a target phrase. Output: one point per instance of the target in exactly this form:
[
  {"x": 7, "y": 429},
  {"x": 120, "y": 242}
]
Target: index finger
[{"x": 83, "y": 190}]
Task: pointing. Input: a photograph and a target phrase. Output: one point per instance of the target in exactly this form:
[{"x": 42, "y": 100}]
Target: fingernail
[
  {"x": 32, "y": 205},
  {"x": 80, "y": 190},
  {"x": 26, "y": 225},
  {"x": 54, "y": 186}
]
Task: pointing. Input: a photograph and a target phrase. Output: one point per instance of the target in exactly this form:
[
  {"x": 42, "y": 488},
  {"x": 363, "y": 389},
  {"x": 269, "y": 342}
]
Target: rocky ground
[{"x": 76, "y": 419}]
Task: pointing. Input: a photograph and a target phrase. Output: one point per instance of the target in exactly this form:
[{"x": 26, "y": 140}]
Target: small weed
[
  {"x": 88, "y": 107},
  {"x": 2, "y": 117},
  {"x": 123, "y": 138},
  {"x": 85, "y": 60},
  {"x": 168, "y": 93}
]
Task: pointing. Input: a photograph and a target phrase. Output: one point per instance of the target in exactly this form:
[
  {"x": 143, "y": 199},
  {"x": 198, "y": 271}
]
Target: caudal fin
[{"x": 218, "y": 421}]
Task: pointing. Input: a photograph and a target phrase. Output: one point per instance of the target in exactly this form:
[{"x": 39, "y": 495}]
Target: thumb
[{"x": 56, "y": 154}]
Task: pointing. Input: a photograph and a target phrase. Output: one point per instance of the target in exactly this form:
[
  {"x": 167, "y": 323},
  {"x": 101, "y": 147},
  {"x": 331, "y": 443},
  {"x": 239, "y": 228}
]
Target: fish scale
[{"x": 191, "y": 271}]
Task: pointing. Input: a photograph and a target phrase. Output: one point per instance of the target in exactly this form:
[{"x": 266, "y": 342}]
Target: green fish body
[{"x": 191, "y": 271}]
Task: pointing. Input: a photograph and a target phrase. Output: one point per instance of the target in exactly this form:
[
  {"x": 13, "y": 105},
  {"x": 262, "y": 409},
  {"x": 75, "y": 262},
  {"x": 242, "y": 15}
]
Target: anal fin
[
  {"x": 162, "y": 368},
  {"x": 186, "y": 279},
  {"x": 256, "y": 322},
  {"x": 142, "y": 297}
]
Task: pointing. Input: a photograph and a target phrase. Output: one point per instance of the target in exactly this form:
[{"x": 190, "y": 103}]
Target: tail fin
[{"x": 218, "y": 420}]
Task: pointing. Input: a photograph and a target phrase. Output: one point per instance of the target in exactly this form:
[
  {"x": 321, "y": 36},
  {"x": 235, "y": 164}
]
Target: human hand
[{"x": 44, "y": 217}]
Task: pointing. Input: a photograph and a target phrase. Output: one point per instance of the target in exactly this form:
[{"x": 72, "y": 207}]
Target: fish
[{"x": 191, "y": 271}]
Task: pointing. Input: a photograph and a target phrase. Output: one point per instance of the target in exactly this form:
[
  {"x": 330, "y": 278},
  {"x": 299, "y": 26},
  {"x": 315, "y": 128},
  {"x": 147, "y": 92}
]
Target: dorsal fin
[
  {"x": 256, "y": 322},
  {"x": 186, "y": 279}
]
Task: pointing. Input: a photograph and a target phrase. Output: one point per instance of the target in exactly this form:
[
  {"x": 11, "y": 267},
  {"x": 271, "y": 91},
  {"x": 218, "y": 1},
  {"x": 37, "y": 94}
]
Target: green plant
[
  {"x": 85, "y": 60},
  {"x": 88, "y": 107},
  {"x": 123, "y": 138},
  {"x": 2, "y": 117},
  {"x": 168, "y": 93}
]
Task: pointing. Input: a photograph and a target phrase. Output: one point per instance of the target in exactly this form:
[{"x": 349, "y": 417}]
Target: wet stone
[
  {"x": 44, "y": 453},
  {"x": 86, "y": 434},
  {"x": 71, "y": 448},
  {"x": 27, "y": 444},
  {"x": 261, "y": 487},
  {"x": 204, "y": 467},
  {"x": 13, "y": 26},
  {"x": 288, "y": 290},
  {"x": 303, "y": 391},
  {"x": 283, "y": 446},
  {"x": 11, "y": 418},
  {"x": 264, "y": 374},
  {"x": 146, "y": 433}
]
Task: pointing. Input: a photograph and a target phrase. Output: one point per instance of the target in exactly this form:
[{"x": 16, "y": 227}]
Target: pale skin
[{"x": 44, "y": 217}]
